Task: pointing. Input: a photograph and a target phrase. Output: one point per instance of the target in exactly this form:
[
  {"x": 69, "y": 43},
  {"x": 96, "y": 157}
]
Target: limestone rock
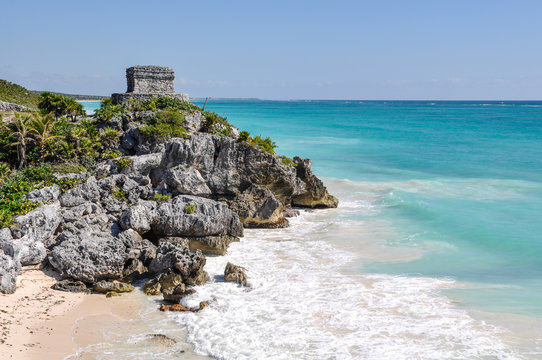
[
  {"x": 235, "y": 273},
  {"x": 183, "y": 179},
  {"x": 46, "y": 194},
  {"x": 217, "y": 245},
  {"x": 258, "y": 207},
  {"x": 187, "y": 216},
  {"x": 112, "y": 286},
  {"x": 88, "y": 255},
  {"x": 8, "y": 273},
  {"x": 71, "y": 286},
  {"x": 182, "y": 260},
  {"x": 139, "y": 217},
  {"x": 315, "y": 194},
  {"x": 177, "y": 293},
  {"x": 38, "y": 224}
]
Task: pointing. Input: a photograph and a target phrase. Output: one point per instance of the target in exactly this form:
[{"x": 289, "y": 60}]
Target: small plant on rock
[
  {"x": 161, "y": 197},
  {"x": 119, "y": 194},
  {"x": 190, "y": 208},
  {"x": 123, "y": 163}
]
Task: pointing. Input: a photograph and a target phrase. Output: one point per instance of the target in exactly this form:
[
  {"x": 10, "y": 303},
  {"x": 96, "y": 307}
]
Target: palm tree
[
  {"x": 19, "y": 128},
  {"x": 41, "y": 128}
]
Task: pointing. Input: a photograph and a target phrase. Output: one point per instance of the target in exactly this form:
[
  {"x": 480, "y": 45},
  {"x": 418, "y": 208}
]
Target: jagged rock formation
[{"x": 145, "y": 82}]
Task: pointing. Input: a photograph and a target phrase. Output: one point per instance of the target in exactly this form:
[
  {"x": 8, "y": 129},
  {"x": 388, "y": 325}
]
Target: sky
[{"x": 385, "y": 49}]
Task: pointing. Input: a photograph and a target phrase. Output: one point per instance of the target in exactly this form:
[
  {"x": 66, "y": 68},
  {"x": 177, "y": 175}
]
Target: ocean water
[{"x": 435, "y": 251}]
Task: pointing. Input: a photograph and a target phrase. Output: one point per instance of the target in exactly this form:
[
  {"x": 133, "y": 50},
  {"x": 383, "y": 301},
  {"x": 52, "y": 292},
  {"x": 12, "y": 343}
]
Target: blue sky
[{"x": 382, "y": 49}]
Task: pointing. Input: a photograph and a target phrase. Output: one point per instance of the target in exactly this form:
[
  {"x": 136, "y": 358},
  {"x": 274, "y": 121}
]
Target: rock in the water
[
  {"x": 315, "y": 194},
  {"x": 258, "y": 207},
  {"x": 112, "y": 286},
  {"x": 71, "y": 286},
  {"x": 152, "y": 287},
  {"x": 182, "y": 260},
  {"x": 290, "y": 213},
  {"x": 217, "y": 245},
  {"x": 134, "y": 270},
  {"x": 235, "y": 273},
  {"x": 179, "y": 307},
  {"x": 162, "y": 339},
  {"x": 177, "y": 293}
]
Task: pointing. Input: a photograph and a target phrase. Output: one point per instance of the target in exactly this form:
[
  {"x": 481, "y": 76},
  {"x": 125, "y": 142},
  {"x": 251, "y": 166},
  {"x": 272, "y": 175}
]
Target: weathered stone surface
[
  {"x": 27, "y": 251},
  {"x": 177, "y": 293},
  {"x": 134, "y": 270},
  {"x": 140, "y": 217},
  {"x": 185, "y": 179},
  {"x": 186, "y": 263},
  {"x": 46, "y": 194},
  {"x": 7, "y": 106},
  {"x": 112, "y": 286},
  {"x": 71, "y": 286},
  {"x": 89, "y": 256},
  {"x": 188, "y": 216},
  {"x": 39, "y": 224},
  {"x": 217, "y": 245},
  {"x": 235, "y": 273},
  {"x": 152, "y": 287},
  {"x": 8, "y": 273},
  {"x": 315, "y": 194},
  {"x": 258, "y": 207}
]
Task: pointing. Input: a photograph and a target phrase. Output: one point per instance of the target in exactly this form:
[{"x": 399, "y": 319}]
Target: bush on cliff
[{"x": 167, "y": 124}]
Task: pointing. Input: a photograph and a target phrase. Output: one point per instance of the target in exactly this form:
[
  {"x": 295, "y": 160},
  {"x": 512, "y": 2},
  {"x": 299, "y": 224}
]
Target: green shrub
[
  {"x": 108, "y": 111},
  {"x": 215, "y": 124},
  {"x": 287, "y": 161},
  {"x": 68, "y": 168},
  {"x": 244, "y": 136},
  {"x": 67, "y": 183},
  {"x": 164, "y": 102},
  {"x": 167, "y": 124},
  {"x": 119, "y": 194},
  {"x": 111, "y": 155},
  {"x": 161, "y": 197},
  {"x": 5, "y": 171},
  {"x": 60, "y": 105},
  {"x": 190, "y": 208},
  {"x": 110, "y": 138},
  {"x": 123, "y": 163},
  {"x": 266, "y": 144}
]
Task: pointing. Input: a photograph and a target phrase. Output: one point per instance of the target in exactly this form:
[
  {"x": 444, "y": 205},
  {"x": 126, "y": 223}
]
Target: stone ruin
[{"x": 146, "y": 82}]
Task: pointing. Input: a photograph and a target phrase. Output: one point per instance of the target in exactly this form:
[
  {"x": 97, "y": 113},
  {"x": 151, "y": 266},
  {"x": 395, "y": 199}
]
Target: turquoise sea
[{"x": 435, "y": 251}]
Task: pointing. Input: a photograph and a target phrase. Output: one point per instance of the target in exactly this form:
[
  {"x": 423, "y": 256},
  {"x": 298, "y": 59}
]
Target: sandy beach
[{"x": 38, "y": 320}]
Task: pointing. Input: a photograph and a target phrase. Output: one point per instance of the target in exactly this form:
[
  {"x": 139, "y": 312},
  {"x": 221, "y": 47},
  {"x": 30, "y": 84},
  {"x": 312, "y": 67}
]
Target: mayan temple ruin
[{"x": 145, "y": 82}]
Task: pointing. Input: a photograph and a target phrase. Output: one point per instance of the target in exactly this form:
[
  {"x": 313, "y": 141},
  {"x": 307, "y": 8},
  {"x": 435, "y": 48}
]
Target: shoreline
[{"x": 38, "y": 320}]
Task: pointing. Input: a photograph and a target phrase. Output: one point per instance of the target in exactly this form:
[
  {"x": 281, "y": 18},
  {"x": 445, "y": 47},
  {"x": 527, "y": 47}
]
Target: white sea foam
[{"x": 299, "y": 305}]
